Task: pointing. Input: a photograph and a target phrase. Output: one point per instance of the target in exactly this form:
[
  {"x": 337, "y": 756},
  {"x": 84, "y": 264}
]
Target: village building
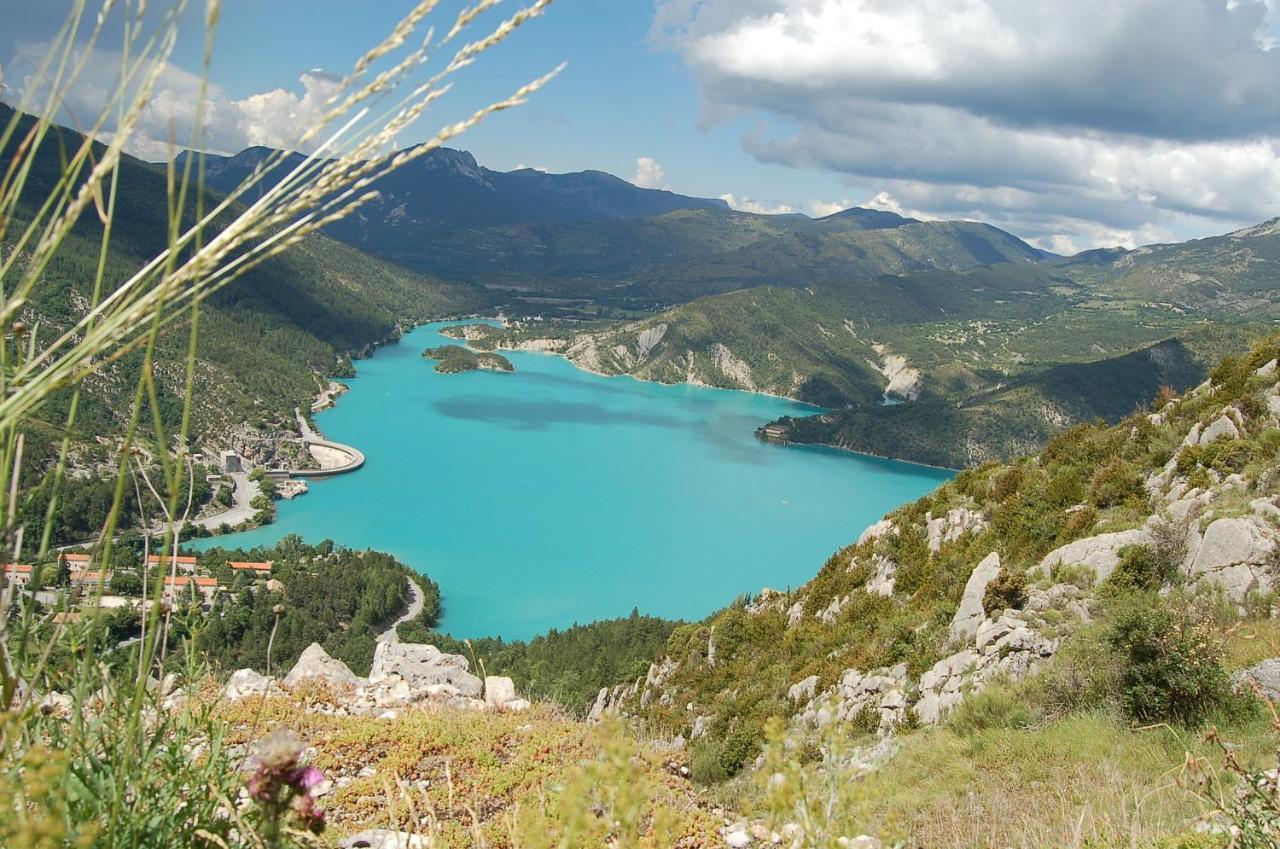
[
  {"x": 18, "y": 574},
  {"x": 177, "y": 587},
  {"x": 183, "y": 562},
  {"x": 76, "y": 562},
  {"x": 260, "y": 568}
]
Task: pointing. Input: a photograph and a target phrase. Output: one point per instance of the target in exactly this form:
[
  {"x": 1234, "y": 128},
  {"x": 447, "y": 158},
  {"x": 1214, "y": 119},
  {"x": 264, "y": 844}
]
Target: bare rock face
[
  {"x": 499, "y": 691},
  {"x": 1100, "y": 553},
  {"x": 1236, "y": 554},
  {"x": 316, "y": 664},
  {"x": 970, "y": 614},
  {"x": 880, "y": 690},
  {"x": 421, "y": 667},
  {"x": 885, "y": 577},
  {"x": 879, "y": 529},
  {"x": 1220, "y": 428},
  {"x": 955, "y": 524},
  {"x": 1266, "y": 675},
  {"x": 246, "y": 682}
]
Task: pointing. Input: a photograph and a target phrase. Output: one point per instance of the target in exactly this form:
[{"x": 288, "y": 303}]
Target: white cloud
[
  {"x": 1112, "y": 119},
  {"x": 746, "y": 204},
  {"x": 275, "y": 118},
  {"x": 521, "y": 166},
  {"x": 649, "y": 174}
]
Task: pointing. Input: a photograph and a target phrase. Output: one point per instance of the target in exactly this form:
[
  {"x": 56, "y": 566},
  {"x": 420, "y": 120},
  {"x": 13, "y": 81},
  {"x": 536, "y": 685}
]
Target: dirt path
[{"x": 415, "y": 607}]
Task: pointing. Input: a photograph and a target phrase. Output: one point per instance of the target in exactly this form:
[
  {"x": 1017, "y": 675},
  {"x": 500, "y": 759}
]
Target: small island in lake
[{"x": 452, "y": 359}]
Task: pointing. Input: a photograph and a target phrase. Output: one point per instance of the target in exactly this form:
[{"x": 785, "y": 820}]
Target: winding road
[
  {"x": 415, "y": 607},
  {"x": 245, "y": 491}
]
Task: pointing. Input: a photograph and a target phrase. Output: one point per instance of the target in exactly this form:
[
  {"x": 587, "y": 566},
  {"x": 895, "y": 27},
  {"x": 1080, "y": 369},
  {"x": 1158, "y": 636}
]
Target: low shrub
[
  {"x": 999, "y": 705},
  {"x": 1114, "y": 483},
  {"x": 1170, "y": 665},
  {"x": 1139, "y": 570},
  {"x": 1007, "y": 589}
]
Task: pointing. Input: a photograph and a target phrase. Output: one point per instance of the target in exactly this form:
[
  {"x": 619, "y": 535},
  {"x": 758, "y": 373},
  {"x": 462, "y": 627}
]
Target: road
[
  {"x": 415, "y": 607},
  {"x": 245, "y": 491}
]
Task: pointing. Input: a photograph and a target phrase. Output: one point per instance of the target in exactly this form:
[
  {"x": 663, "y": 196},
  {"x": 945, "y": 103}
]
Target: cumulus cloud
[
  {"x": 746, "y": 204},
  {"x": 649, "y": 173},
  {"x": 275, "y": 118},
  {"x": 1110, "y": 119}
]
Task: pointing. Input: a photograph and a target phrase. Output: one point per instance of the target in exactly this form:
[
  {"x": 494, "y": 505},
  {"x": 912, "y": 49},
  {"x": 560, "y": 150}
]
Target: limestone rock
[
  {"x": 246, "y": 682},
  {"x": 970, "y": 613},
  {"x": 1235, "y": 553},
  {"x": 879, "y": 529},
  {"x": 498, "y": 690},
  {"x": 958, "y": 522},
  {"x": 1220, "y": 428},
  {"x": 1267, "y": 370},
  {"x": 421, "y": 666},
  {"x": 1100, "y": 553},
  {"x": 884, "y": 579},
  {"x": 315, "y": 662},
  {"x": 803, "y": 690},
  {"x": 1265, "y": 674}
]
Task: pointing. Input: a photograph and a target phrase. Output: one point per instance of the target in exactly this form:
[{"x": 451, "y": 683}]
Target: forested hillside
[{"x": 263, "y": 341}]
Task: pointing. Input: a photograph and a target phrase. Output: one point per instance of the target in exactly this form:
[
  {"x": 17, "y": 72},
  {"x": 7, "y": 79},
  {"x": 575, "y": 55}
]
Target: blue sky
[{"x": 1075, "y": 125}]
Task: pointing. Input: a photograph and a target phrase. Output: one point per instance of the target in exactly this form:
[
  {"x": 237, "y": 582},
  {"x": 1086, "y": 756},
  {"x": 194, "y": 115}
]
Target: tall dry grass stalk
[{"x": 208, "y": 243}]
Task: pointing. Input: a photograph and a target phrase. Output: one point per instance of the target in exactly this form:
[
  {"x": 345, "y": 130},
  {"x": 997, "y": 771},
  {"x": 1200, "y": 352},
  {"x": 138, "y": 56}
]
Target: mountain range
[{"x": 947, "y": 342}]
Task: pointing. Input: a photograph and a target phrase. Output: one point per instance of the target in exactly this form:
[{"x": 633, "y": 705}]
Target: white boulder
[
  {"x": 316, "y": 664},
  {"x": 970, "y": 613}
]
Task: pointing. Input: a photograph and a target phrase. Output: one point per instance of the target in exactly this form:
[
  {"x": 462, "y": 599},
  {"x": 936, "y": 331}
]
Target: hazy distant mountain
[
  {"x": 590, "y": 235},
  {"x": 448, "y": 188}
]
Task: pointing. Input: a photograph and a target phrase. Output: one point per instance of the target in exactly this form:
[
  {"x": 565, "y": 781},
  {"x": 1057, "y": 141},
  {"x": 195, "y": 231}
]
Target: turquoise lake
[{"x": 552, "y": 496}]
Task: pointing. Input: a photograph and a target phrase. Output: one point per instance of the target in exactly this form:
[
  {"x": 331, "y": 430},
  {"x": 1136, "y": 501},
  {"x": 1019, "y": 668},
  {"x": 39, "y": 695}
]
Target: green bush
[
  {"x": 1170, "y": 665},
  {"x": 705, "y": 766},
  {"x": 1007, "y": 589},
  {"x": 1066, "y": 487},
  {"x": 741, "y": 745},
  {"x": 1114, "y": 483},
  {"x": 997, "y": 706},
  {"x": 1139, "y": 569}
]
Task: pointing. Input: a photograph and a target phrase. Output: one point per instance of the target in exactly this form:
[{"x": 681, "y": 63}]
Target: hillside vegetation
[
  {"x": 950, "y": 367},
  {"x": 1010, "y": 628},
  {"x": 264, "y": 341}
]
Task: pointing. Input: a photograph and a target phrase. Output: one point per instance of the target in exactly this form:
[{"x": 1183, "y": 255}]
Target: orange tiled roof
[
  {"x": 71, "y": 557},
  {"x": 251, "y": 565},
  {"x": 184, "y": 580},
  {"x": 181, "y": 560},
  {"x": 18, "y": 568}
]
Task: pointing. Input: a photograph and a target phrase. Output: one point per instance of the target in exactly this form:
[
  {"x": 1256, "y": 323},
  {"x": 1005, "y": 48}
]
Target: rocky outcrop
[
  {"x": 956, "y": 523},
  {"x": 422, "y": 667},
  {"x": 1100, "y": 553},
  {"x": 316, "y": 664},
  {"x": 1008, "y": 647},
  {"x": 882, "y": 692},
  {"x": 1265, "y": 676},
  {"x": 884, "y": 578},
  {"x": 1237, "y": 554},
  {"x": 403, "y": 674},
  {"x": 247, "y": 682},
  {"x": 970, "y": 613}
]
